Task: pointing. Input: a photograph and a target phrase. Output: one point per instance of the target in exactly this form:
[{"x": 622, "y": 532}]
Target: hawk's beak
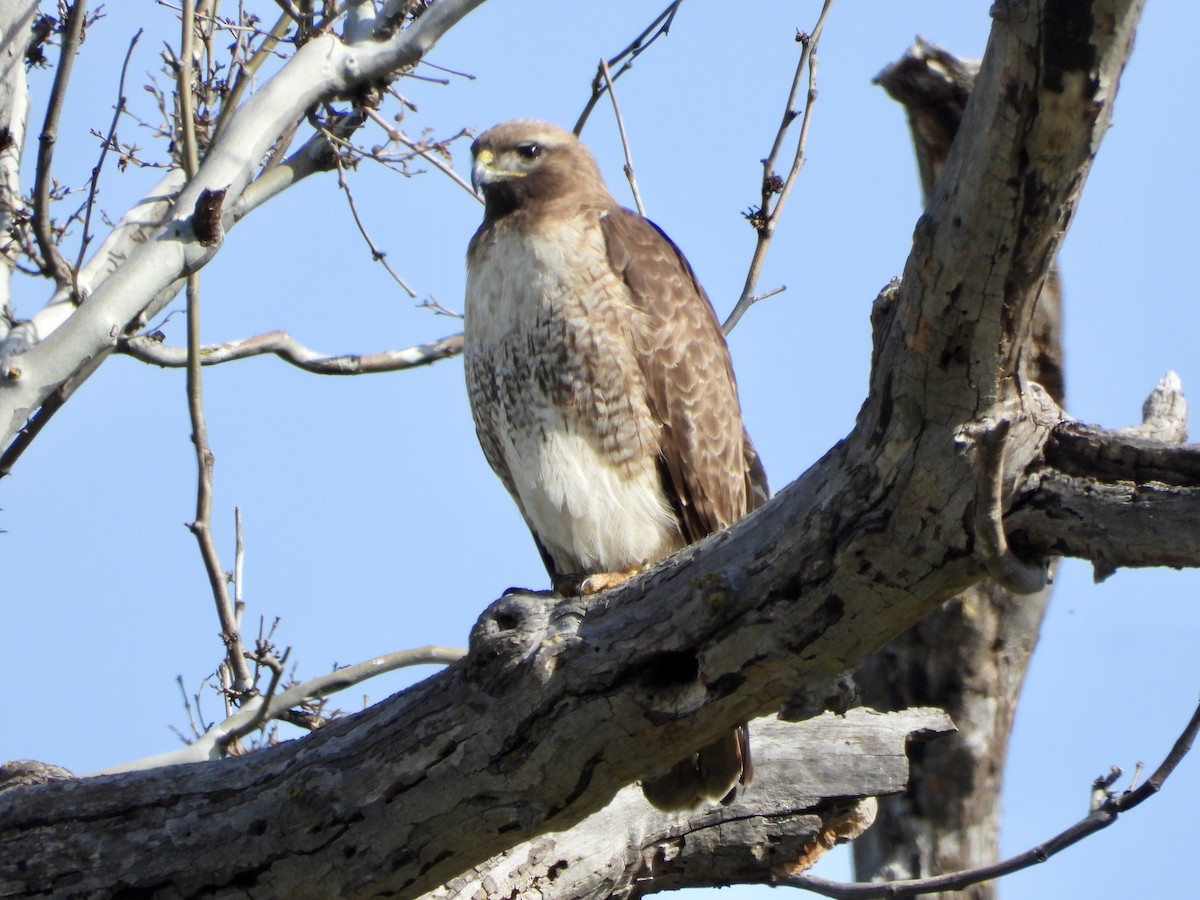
[{"x": 481, "y": 170}]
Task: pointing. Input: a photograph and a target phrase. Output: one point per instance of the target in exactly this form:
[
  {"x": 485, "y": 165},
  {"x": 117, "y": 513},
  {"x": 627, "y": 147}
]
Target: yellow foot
[{"x": 583, "y": 585}]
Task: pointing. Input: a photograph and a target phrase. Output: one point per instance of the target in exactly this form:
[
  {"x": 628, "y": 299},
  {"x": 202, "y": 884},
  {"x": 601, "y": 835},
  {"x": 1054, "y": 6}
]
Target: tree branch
[
  {"x": 53, "y": 262},
  {"x": 660, "y": 27},
  {"x": 1100, "y": 817},
  {"x": 149, "y": 349},
  {"x": 321, "y": 69},
  {"x": 775, "y": 190},
  {"x": 211, "y": 744},
  {"x": 629, "y": 846}
]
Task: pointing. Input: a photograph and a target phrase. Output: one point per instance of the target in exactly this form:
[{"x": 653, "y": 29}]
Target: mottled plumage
[{"x": 601, "y": 385}]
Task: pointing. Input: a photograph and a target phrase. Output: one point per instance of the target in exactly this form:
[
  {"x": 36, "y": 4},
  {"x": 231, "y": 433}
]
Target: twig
[
  {"x": 208, "y": 746},
  {"x": 1101, "y": 816},
  {"x": 239, "y": 564},
  {"x": 187, "y": 112},
  {"x": 376, "y": 254},
  {"x": 287, "y": 348},
  {"x": 108, "y": 141},
  {"x": 262, "y": 656},
  {"x": 246, "y": 72},
  {"x": 200, "y": 527},
  {"x": 239, "y": 672},
  {"x": 438, "y": 163},
  {"x": 53, "y": 262},
  {"x": 640, "y": 43},
  {"x": 766, "y": 217},
  {"x": 612, "y": 93}
]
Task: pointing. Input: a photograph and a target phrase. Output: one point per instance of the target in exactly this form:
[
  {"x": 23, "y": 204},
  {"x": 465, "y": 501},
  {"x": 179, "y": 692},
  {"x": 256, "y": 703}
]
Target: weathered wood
[
  {"x": 969, "y": 656},
  {"x": 775, "y": 826}
]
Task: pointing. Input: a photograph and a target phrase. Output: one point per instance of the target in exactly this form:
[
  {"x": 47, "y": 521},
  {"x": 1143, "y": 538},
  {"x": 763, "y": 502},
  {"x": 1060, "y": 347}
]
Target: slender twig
[
  {"x": 766, "y": 217},
  {"x": 287, "y": 348},
  {"x": 247, "y": 71},
  {"x": 239, "y": 673},
  {"x": 433, "y": 159},
  {"x": 53, "y": 262},
  {"x": 612, "y": 93},
  {"x": 241, "y": 682},
  {"x": 187, "y": 112},
  {"x": 660, "y": 27},
  {"x": 1102, "y": 814},
  {"x": 239, "y": 566},
  {"x": 262, "y": 712},
  {"x": 432, "y": 65},
  {"x": 109, "y": 141},
  {"x": 376, "y": 254},
  {"x": 208, "y": 746}
]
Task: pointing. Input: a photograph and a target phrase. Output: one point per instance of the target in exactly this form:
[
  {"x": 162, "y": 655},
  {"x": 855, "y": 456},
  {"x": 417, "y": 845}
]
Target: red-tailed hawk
[{"x": 601, "y": 387}]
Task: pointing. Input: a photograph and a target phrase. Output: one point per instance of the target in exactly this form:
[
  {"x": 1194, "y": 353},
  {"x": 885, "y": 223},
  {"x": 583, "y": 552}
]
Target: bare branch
[
  {"x": 150, "y": 350},
  {"x": 432, "y": 158},
  {"x": 201, "y": 526},
  {"x": 149, "y": 276},
  {"x": 766, "y": 217},
  {"x": 211, "y": 744},
  {"x": 262, "y": 656},
  {"x": 187, "y": 113},
  {"x": 1103, "y": 814},
  {"x": 380, "y": 256},
  {"x": 53, "y": 262},
  {"x": 660, "y": 27},
  {"x": 612, "y": 93},
  {"x": 108, "y": 142},
  {"x": 239, "y": 565}
]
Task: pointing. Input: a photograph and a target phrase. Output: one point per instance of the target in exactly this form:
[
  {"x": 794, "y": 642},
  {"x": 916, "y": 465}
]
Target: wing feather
[{"x": 710, "y": 468}]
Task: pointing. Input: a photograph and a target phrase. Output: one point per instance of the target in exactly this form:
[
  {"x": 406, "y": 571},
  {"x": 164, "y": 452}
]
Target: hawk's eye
[{"x": 531, "y": 150}]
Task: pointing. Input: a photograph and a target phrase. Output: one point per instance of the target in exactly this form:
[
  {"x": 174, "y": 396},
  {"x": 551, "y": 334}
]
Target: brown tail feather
[{"x": 711, "y": 774}]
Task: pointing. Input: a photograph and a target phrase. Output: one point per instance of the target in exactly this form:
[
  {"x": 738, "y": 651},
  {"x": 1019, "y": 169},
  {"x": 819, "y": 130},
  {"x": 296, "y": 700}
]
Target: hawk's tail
[{"x": 711, "y": 774}]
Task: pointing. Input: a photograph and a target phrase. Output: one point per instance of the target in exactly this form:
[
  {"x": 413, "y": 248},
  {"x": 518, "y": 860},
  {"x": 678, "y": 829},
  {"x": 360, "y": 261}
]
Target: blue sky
[{"x": 372, "y": 522}]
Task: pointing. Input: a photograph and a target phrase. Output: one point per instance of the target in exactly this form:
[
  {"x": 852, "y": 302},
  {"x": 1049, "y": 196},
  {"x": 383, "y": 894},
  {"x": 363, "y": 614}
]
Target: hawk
[{"x": 601, "y": 387}]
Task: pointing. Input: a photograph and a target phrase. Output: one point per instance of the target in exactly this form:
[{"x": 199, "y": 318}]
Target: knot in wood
[{"x": 510, "y": 632}]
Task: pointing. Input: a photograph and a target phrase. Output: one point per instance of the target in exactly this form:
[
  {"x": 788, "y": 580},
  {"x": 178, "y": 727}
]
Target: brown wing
[{"x": 711, "y": 470}]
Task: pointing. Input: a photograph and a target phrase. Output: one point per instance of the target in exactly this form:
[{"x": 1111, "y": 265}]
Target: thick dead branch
[
  {"x": 970, "y": 655},
  {"x": 780, "y": 827}
]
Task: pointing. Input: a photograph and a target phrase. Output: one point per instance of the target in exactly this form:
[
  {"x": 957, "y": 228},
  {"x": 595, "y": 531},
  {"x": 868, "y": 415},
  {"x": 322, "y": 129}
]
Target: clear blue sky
[{"x": 371, "y": 519}]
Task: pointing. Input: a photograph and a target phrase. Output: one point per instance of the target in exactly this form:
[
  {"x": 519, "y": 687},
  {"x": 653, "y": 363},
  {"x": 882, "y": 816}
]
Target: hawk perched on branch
[{"x": 601, "y": 387}]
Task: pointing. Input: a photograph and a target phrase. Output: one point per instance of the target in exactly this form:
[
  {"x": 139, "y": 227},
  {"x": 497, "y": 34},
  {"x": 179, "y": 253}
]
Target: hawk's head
[{"x": 525, "y": 162}]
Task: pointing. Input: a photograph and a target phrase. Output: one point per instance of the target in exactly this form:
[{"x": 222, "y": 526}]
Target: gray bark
[
  {"x": 561, "y": 704},
  {"x": 782, "y": 825},
  {"x": 969, "y": 656}
]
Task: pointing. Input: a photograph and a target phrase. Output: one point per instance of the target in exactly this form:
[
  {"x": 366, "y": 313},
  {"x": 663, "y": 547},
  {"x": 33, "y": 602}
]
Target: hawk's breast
[{"x": 559, "y": 401}]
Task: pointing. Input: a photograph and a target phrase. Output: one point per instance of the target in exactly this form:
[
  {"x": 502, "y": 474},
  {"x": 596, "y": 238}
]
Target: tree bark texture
[
  {"x": 787, "y": 822},
  {"x": 970, "y": 655},
  {"x": 562, "y": 703}
]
